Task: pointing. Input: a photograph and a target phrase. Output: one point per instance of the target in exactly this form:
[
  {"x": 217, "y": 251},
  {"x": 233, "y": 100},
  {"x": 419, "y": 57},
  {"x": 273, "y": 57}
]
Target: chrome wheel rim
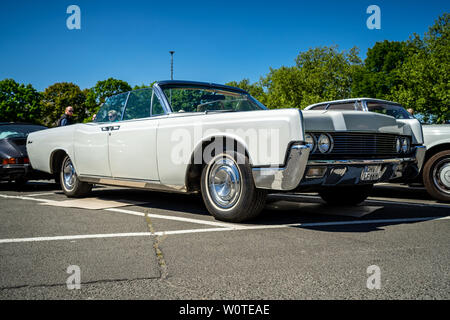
[
  {"x": 441, "y": 175},
  {"x": 69, "y": 175},
  {"x": 224, "y": 182}
]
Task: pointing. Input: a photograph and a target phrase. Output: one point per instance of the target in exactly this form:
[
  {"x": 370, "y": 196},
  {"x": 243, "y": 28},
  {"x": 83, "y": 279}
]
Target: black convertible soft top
[{"x": 181, "y": 83}]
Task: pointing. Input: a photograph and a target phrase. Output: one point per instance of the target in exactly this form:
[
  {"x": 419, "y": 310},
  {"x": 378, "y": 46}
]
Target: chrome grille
[
  {"x": 363, "y": 143},
  {"x": 359, "y": 144}
]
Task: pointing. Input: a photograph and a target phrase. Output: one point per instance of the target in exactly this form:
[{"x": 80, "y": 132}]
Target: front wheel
[
  {"x": 71, "y": 185},
  {"x": 228, "y": 190},
  {"x": 346, "y": 196},
  {"x": 436, "y": 176}
]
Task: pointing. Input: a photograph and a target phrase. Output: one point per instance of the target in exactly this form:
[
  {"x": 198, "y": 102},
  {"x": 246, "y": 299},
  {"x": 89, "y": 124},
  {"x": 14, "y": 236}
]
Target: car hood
[
  {"x": 329, "y": 121},
  {"x": 13, "y": 147}
]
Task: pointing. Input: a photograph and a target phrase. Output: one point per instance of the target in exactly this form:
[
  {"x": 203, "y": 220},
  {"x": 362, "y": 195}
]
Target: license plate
[{"x": 371, "y": 173}]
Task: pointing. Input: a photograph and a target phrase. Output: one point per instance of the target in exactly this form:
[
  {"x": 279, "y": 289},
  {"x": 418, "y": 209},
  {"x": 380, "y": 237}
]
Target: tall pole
[{"x": 171, "y": 64}]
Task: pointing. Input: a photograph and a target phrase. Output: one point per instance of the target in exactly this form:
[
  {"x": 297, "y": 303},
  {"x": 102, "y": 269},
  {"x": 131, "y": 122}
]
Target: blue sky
[{"x": 217, "y": 41}]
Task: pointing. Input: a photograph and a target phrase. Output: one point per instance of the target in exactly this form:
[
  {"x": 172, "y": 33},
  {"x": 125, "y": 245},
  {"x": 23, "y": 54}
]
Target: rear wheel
[
  {"x": 228, "y": 190},
  {"x": 436, "y": 176},
  {"x": 346, "y": 196},
  {"x": 71, "y": 185}
]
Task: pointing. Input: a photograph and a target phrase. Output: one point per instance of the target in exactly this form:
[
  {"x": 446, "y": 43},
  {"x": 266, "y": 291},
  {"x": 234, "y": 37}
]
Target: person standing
[{"x": 67, "y": 118}]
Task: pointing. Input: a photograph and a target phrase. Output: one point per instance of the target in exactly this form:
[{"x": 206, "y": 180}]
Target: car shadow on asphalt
[
  {"x": 31, "y": 186},
  {"x": 299, "y": 210},
  {"x": 401, "y": 191}
]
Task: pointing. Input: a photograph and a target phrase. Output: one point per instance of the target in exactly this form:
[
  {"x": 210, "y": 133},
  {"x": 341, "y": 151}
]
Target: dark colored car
[{"x": 14, "y": 163}]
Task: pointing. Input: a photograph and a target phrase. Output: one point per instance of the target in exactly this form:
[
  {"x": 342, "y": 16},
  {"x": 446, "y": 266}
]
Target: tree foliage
[
  {"x": 57, "y": 97},
  {"x": 19, "y": 102},
  {"x": 378, "y": 76},
  {"x": 109, "y": 87},
  {"x": 425, "y": 75},
  {"x": 97, "y": 95}
]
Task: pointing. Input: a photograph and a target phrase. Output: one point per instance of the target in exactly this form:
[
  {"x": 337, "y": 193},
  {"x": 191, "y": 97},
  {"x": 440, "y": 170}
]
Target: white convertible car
[
  {"x": 435, "y": 174},
  {"x": 183, "y": 136}
]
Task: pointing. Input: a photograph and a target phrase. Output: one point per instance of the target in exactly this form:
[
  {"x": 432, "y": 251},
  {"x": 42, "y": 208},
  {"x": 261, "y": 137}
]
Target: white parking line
[
  {"x": 25, "y": 198},
  {"x": 159, "y": 216},
  {"x": 237, "y": 228},
  {"x": 41, "y": 194},
  {"x": 220, "y": 226},
  {"x": 141, "y": 214}
]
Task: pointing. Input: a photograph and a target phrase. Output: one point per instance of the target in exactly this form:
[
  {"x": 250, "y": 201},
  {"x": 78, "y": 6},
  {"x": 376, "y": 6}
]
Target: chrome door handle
[
  {"x": 115, "y": 128},
  {"x": 106, "y": 128}
]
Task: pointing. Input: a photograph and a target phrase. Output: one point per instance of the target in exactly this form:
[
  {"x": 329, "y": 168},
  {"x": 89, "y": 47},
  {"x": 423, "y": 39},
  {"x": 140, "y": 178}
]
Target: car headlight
[
  {"x": 324, "y": 143},
  {"x": 398, "y": 145},
  {"x": 405, "y": 145},
  {"x": 310, "y": 140}
]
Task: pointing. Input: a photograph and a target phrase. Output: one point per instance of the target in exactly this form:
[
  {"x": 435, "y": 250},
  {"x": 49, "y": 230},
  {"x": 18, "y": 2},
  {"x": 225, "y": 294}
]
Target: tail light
[{"x": 21, "y": 160}]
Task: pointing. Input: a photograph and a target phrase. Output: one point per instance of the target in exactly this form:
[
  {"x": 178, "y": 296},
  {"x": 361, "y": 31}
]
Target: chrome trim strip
[
  {"x": 358, "y": 161},
  {"x": 162, "y": 98},
  {"x": 418, "y": 158},
  {"x": 133, "y": 183},
  {"x": 287, "y": 177}
]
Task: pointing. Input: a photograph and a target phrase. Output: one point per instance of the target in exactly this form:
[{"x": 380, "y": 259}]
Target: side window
[
  {"x": 319, "y": 107},
  {"x": 342, "y": 106},
  {"x": 138, "y": 105},
  {"x": 157, "y": 108},
  {"x": 112, "y": 109}
]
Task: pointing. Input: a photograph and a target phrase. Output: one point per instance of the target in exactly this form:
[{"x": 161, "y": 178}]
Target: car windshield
[
  {"x": 396, "y": 111},
  {"x": 18, "y": 131},
  {"x": 200, "y": 99}
]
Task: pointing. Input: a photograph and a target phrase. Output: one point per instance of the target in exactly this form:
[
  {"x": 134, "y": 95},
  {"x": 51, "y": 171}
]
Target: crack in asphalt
[
  {"x": 54, "y": 285},
  {"x": 157, "y": 240}
]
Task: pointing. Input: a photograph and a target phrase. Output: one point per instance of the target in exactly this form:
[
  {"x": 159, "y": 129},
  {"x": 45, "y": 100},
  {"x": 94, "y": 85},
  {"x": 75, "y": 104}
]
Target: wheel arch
[
  {"x": 56, "y": 159},
  {"x": 194, "y": 170},
  {"x": 436, "y": 149}
]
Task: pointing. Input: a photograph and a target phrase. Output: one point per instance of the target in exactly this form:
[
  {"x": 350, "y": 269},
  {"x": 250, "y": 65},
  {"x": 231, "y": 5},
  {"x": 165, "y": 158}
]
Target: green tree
[
  {"x": 109, "y": 87},
  {"x": 378, "y": 76},
  {"x": 97, "y": 95},
  {"x": 19, "y": 102},
  {"x": 320, "y": 74},
  {"x": 143, "y": 86},
  {"x": 59, "y": 96},
  {"x": 425, "y": 82},
  {"x": 255, "y": 89}
]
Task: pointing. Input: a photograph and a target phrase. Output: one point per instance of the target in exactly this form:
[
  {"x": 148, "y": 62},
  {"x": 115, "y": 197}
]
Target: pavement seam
[{"x": 163, "y": 270}]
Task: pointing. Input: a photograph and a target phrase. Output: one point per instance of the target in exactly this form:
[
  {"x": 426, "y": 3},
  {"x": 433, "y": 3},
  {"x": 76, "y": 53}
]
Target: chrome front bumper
[
  {"x": 287, "y": 177},
  {"x": 335, "y": 172}
]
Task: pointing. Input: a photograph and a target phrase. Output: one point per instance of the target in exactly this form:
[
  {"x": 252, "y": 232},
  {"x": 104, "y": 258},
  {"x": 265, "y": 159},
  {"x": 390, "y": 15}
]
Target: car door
[
  {"x": 91, "y": 145},
  {"x": 132, "y": 141}
]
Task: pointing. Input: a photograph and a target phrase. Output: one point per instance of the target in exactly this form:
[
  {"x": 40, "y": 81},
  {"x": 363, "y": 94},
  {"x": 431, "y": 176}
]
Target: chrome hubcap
[
  {"x": 441, "y": 175},
  {"x": 69, "y": 175},
  {"x": 224, "y": 183}
]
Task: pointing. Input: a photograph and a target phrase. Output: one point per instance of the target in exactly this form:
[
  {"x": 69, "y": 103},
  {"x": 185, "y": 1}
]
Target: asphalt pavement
[{"x": 167, "y": 246}]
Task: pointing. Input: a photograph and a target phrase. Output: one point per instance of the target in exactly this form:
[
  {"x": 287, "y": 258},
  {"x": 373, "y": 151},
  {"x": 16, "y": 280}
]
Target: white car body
[
  {"x": 436, "y": 135},
  {"x": 160, "y": 152}
]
